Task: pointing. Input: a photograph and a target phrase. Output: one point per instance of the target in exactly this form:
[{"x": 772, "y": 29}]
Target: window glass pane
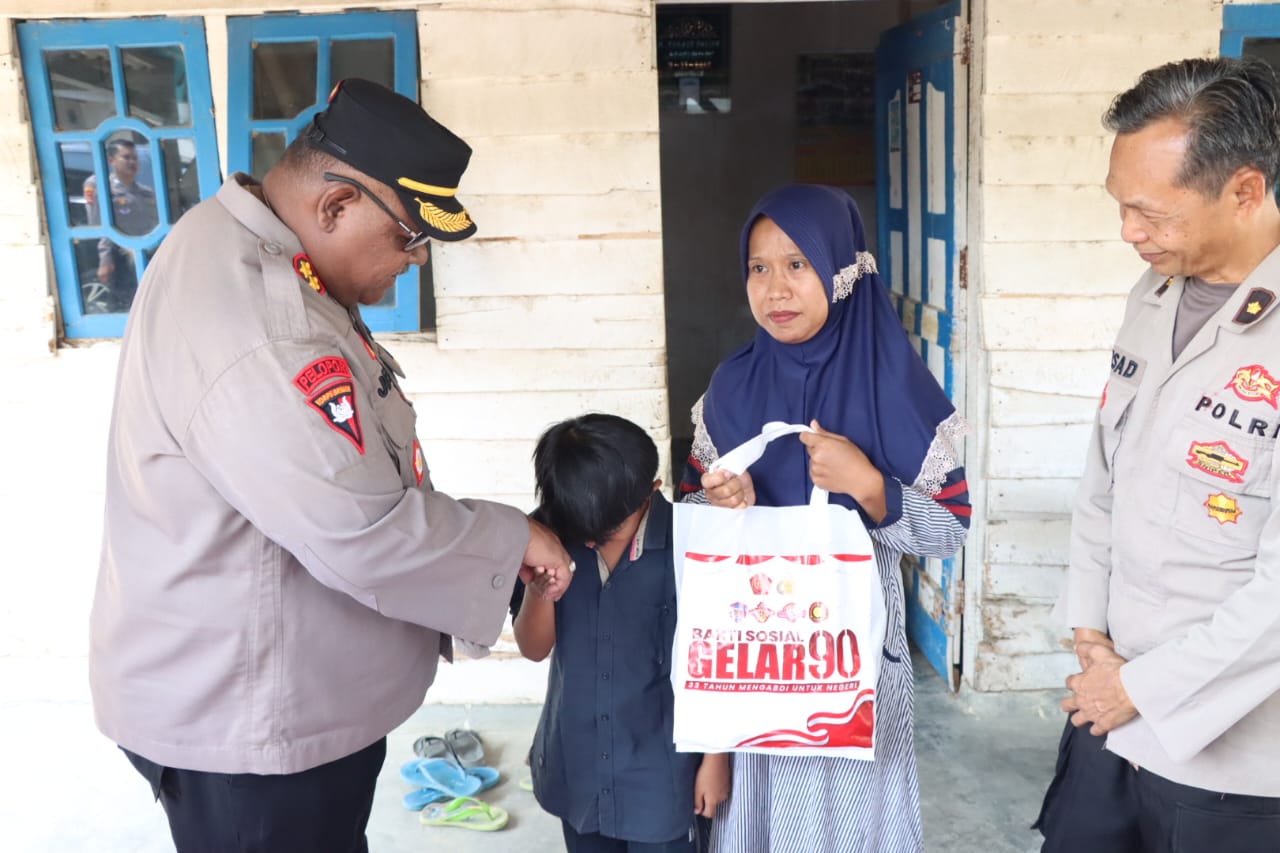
[
  {"x": 182, "y": 179},
  {"x": 107, "y": 275},
  {"x": 155, "y": 84},
  {"x": 284, "y": 78},
  {"x": 83, "y": 95},
  {"x": 372, "y": 59},
  {"x": 268, "y": 148},
  {"x": 133, "y": 198},
  {"x": 1266, "y": 49},
  {"x": 76, "y": 159}
]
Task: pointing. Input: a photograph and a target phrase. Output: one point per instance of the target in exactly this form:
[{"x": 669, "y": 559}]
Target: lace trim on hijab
[
  {"x": 943, "y": 456},
  {"x": 842, "y": 285},
  {"x": 703, "y": 450}
]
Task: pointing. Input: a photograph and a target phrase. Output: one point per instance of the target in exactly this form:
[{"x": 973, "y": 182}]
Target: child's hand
[
  {"x": 551, "y": 584},
  {"x": 711, "y": 785}
]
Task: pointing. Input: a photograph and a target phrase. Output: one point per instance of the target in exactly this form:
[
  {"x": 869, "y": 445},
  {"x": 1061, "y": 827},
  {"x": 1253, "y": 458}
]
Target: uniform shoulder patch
[
  {"x": 320, "y": 371},
  {"x": 1255, "y": 305},
  {"x": 336, "y": 403},
  {"x": 307, "y": 272}
]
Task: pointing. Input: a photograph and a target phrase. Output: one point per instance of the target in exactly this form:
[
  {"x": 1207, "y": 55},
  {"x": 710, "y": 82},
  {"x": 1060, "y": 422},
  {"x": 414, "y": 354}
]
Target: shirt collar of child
[{"x": 637, "y": 546}]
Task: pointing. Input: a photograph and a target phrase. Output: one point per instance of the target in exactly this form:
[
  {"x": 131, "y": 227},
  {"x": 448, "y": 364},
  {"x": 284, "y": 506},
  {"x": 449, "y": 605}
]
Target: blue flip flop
[
  {"x": 442, "y": 775},
  {"x": 419, "y": 798},
  {"x": 488, "y": 776}
]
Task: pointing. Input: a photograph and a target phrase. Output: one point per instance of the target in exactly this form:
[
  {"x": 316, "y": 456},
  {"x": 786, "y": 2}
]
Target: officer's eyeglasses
[{"x": 414, "y": 238}]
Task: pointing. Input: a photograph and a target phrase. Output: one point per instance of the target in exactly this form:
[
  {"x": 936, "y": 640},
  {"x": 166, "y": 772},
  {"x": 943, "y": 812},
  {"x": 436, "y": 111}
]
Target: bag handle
[{"x": 745, "y": 455}]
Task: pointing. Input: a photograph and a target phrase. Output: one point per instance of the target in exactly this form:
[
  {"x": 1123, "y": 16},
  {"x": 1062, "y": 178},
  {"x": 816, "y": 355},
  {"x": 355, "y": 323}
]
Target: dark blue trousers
[
  {"x": 321, "y": 810},
  {"x": 1099, "y": 803},
  {"x": 593, "y": 842}
]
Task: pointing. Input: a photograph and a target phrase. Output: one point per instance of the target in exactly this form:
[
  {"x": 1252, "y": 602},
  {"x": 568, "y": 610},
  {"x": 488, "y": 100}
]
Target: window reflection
[
  {"x": 284, "y": 78},
  {"x": 372, "y": 59},
  {"x": 107, "y": 285},
  {"x": 83, "y": 94},
  {"x": 155, "y": 83},
  {"x": 268, "y": 148},
  {"x": 181, "y": 176}
]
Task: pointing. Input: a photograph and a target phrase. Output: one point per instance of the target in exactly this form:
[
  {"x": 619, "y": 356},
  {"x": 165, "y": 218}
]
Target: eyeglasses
[{"x": 415, "y": 238}]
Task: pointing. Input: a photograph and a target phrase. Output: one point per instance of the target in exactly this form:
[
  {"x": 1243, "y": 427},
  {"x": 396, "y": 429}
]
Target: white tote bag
[{"x": 780, "y": 624}]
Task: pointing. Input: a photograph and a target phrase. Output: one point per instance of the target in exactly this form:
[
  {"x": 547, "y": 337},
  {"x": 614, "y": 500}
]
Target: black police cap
[{"x": 393, "y": 140}]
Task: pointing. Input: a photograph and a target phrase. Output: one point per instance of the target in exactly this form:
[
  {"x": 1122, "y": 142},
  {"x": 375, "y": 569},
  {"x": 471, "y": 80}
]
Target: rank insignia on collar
[
  {"x": 1255, "y": 305},
  {"x": 1162, "y": 288},
  {"x": 1223, "y": 509},
  {"x": 1217, "y": 459},
  {"x": 1255, "y": 384},
  {"x": 307, "y": 271},
  {"x": 336, "y": 403}
]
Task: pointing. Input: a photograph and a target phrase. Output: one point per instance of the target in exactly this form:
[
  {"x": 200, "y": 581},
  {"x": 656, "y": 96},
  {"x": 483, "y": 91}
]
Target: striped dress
[{"x": 811, "y": 804}]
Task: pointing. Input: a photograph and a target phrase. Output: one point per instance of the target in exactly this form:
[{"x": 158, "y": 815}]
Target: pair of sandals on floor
[{"x": 445, "y": 775}]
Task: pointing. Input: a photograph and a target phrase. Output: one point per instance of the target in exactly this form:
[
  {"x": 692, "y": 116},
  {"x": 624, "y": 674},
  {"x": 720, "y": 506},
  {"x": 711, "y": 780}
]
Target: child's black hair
[{"x": 592, "y": 472}]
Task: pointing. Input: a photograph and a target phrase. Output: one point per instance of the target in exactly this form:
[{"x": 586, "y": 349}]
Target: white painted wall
[{"x": 1047, "y": 287}]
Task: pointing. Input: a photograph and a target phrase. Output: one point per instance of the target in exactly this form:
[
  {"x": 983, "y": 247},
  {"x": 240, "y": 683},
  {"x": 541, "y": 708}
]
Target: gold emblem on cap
[
  {"x": 429, "y": 189},
  {"x": 442, "y": 220}
]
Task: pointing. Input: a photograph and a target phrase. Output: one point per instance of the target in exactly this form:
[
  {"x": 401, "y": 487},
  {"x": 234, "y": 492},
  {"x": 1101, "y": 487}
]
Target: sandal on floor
[
  {"x": 488, "y": 776},
  {"x": 465, "y": 813},
  {"x": 416, "y": 799},
  {"x": 430, "y": 746},
  {"x": 441, "y": 774},
  {"x": 466, "y": 745}
]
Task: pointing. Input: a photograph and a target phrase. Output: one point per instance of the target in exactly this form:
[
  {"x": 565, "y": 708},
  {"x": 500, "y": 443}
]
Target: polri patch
[
  {"x": 320, "y": 371},
  {"x": 1223, "y": 509},
  {"x": 1255, "y": 305},
  {"x": 1217, "y": 459},
  {"x": 336, "y": 403},
  {"x": 1255, "y": 384}
]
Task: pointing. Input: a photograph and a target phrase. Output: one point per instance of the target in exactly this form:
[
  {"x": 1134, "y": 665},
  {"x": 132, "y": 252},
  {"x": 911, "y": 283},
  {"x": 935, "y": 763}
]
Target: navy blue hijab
[{"x": 859, "y": 376}]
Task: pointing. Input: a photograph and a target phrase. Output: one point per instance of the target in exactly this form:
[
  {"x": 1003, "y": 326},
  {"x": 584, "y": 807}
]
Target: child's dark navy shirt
[{"x": 603, "y": 758}]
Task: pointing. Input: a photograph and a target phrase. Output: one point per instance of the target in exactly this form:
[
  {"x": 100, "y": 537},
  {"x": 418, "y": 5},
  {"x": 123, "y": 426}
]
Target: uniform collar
[{"x": 253, "y": 214}]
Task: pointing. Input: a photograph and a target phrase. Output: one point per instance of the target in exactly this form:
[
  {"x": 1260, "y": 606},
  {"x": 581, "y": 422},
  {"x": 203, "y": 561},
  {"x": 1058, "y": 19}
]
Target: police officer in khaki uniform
[
  {"x": 278, "y": 576},
  {"x": 1173, "y": 587},
  {"x": 133, "y": 212}
]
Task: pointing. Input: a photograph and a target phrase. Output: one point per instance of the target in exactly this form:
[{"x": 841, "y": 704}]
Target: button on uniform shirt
[{"x": 603, "y": 758}]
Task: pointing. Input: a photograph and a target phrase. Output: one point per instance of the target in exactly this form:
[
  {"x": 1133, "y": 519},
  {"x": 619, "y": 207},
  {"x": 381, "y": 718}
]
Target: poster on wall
[
  {"x": 835, "y": 119},
  {"x": 693, "y": 59}
]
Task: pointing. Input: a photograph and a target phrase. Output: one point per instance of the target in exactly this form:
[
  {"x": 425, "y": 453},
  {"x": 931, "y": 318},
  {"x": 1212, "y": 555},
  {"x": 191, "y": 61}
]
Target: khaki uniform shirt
[
  {"x": 1175, "y": 541},
  {"x": 278, "y": 577}
]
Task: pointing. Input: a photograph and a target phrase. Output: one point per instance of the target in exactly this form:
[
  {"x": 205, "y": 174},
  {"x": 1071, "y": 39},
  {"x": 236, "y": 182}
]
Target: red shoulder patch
[
  {"x": 320, "y": 371},
  {"x": 336, "y": 403}
]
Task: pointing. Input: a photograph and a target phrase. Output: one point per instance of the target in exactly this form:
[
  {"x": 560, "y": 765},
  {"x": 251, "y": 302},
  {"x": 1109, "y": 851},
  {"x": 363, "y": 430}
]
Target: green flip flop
[{"x": 465, "y": 813}]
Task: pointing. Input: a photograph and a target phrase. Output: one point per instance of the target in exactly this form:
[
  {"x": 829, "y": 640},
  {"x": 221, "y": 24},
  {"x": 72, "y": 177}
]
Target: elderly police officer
[
  {"x": 278, "y": 576},
  {"x": 1174, "y": 579}
]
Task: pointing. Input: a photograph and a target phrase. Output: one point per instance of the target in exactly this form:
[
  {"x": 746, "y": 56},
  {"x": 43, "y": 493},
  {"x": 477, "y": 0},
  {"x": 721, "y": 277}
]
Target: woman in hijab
[{"x": 832, "y": 353}]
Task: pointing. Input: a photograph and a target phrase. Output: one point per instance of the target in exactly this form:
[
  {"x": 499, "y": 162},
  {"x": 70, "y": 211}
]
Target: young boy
[{"x": 603, "y": 760}]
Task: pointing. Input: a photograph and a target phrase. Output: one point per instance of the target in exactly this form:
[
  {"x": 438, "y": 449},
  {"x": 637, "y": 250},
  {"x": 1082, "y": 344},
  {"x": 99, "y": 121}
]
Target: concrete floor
[{"x": 984, "y": 761}]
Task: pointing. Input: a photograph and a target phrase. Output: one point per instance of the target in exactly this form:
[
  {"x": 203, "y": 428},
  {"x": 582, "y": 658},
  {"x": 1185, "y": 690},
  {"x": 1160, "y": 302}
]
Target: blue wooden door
[
  {"x": 920, "y": 91},
  {"x": 282, "y": 69}
]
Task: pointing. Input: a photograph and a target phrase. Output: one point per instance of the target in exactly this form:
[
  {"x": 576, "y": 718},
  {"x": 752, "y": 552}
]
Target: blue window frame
[
  {"x": 283, "y": 68},
  {"x": 1253, "y": 30},
  {"x": 100, "y": 91}
]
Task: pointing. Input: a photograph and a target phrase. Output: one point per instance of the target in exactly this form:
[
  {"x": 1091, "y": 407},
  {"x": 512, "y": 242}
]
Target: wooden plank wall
[{"x": 1054, "y": 275}]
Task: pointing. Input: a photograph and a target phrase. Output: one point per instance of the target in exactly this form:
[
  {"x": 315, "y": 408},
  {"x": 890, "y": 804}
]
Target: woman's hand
[
  {"x": 711, "y": 785},
  {"x": 733, "y": 491},
  {"x": 838, "y": 465}
]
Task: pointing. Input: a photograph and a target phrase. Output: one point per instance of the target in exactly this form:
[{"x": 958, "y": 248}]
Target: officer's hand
[
  {"x": 734, "y": 491},
  {"x": 546, "y": 564}
]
